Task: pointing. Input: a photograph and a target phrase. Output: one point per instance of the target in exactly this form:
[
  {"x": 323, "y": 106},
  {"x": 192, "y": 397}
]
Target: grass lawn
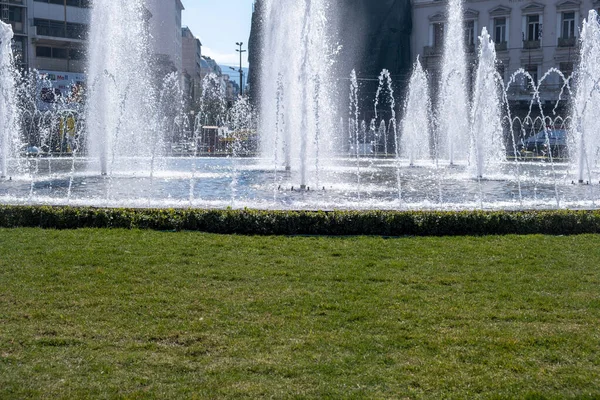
[{"x": 143, "y": 314}]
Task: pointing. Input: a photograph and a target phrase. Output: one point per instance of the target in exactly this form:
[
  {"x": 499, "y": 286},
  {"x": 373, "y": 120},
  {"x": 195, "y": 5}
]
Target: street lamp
[{"x": 240, "y": 44}]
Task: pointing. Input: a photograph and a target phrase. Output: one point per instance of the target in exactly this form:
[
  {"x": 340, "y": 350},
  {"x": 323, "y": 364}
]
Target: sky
[{"x": 219, "y": 24}]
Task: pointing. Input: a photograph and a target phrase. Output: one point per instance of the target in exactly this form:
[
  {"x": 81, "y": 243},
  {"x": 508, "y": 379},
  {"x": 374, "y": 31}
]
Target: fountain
[
  {"x": 487, "y": 146},
  {"x": 120, "y": 95},
  {"x": 300, "y": 56},
  {"x": 453, "y": 102},
  {"x": 9, "y": 113},
  {"x": 132, "y": 146},
  {"x": 416, "y": 129},
  {"x": 586, "y": 139}
]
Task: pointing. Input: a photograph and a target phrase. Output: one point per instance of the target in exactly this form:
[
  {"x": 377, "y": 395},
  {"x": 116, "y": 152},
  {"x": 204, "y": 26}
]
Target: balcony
[
  {"x": 17, "y": 27},
  {"x": 547, "y": 92},
  {"x": 567, "y": 42},
  {"x": 59, "y": 29},
  {"x": 56, "y": 64},
  {"x": 501, "y": 46},
  {"x": 531, "y": 44},
  {"x": 430, "y": 51}
]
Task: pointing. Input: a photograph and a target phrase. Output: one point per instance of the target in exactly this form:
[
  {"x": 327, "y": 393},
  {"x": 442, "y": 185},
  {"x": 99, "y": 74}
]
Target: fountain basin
[{"x": 205, "y": 182}]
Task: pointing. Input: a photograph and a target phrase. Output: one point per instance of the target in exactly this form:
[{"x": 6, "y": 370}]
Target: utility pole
[{"x": 240, "y": 44}]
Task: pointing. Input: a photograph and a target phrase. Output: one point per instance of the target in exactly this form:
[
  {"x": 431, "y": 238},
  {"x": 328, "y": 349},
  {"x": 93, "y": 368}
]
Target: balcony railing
[
  {"x": 17, "y": 27},
  {"x": 501, "y": 46},
  {"x": 432, "y": 50},
  {"x": 59, "y": 29},
  {"x": 567, "y": 42},
  {"x": 531, "y": 44},
  {"x": 546, "y": 90}
]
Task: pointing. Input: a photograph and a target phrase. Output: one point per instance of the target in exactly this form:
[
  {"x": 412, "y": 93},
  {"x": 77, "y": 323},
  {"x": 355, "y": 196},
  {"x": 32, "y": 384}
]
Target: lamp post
[{"x": 240, "y": 44}]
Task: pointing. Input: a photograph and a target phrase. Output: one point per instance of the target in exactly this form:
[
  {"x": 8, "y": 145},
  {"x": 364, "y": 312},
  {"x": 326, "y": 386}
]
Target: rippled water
[{"x": 253, "y": 183}]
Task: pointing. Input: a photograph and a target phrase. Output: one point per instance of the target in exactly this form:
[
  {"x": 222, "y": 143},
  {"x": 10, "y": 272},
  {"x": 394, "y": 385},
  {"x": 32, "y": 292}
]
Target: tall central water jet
[
  {"x": 9, "y": 125},
  {"x": 119, "y": 111},
  {"x": 487, "y": 146},
  {"x": 297, "y": 50},
  {"x": 453, "y": 102},
  {"x": 415, "y": 125},
  {"x": 587, "y": 101}
]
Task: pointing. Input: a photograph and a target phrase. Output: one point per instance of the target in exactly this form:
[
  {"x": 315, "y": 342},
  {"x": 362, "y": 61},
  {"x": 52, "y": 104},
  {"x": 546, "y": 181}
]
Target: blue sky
[{"x": 219, "y": 24}]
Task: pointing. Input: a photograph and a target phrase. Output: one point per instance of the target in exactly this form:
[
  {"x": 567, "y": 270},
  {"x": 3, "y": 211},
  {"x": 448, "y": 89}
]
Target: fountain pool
[
  {"x": 252, "y": 182},
  {"x": 461, "y": 154}
]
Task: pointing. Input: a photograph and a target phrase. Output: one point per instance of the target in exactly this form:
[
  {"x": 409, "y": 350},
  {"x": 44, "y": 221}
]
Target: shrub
[{"x": 332, "y": 223}]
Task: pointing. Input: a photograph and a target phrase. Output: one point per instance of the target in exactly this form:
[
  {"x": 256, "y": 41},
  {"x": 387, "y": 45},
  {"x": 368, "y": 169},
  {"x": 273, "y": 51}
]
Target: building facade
[
  {"x": 14, "y": 12},
  {"x": 58, "y": 35},
  {"x": 49, "y": 34},
  {"x": 165, "y": 29},
  {"x": 535, "y": 35},
  {"x": 192, "y": 63}
]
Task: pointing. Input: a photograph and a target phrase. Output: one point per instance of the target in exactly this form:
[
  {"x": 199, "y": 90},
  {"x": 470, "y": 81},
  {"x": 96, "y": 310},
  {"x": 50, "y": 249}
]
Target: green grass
[{"x": 143, "y": 314}]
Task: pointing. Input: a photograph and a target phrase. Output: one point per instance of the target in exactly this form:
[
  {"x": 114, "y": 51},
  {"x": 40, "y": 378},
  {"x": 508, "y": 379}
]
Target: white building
[
  {"x": 532, "y": 34},
  {"x": 58, "y": 35},
  {"x": 165, "y": 31},
  {"x": 49, "y": 34},
  {"x": 192, "y": 63}
]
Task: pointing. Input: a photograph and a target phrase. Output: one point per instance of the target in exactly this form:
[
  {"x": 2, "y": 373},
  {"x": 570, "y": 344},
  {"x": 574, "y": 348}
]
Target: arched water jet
[{"x": 385, "y": 81}]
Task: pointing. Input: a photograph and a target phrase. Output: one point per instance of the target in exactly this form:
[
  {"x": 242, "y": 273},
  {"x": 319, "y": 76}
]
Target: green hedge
[{"x": 333, "y": 223}]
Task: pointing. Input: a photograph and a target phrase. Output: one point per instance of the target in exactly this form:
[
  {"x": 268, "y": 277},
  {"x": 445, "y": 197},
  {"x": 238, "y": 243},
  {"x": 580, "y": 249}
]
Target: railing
[
  {"x": 56, "y": 29},
  {"x": 531, "y": 44},
  {"x": 546, "y": 90},
  {"x": 567, "y": 42},
  {"x": 17, "y": 27},
  {"x": 432, "y": 50},
  {"x": 502, "y": 46}
]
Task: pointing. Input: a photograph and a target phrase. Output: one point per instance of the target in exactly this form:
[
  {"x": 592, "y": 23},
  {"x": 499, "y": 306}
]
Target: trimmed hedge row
[{"x": 333, "y": 223}]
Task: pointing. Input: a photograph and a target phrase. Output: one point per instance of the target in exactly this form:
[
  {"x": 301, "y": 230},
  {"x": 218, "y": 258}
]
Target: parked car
[{"x": 544, "y": 142}]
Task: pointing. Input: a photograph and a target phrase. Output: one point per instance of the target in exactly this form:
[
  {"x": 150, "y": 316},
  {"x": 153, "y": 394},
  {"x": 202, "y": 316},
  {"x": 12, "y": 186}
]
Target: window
[
  {"x": 76, "y": 54},
  {"x": 533, "y": 28},
  {"x": 57, "y": 52},
  {"x": 501, "y": 70},
  {"x": 72, "y": 3},
  {"x": 19, "y": 44},
  {"x": 43, "y": 51},
  {"x": 500, "y": 30},
  {"x": 532, "y": 70},
  {"x": 568, "y": 25},
  {"x": 15, "y": 17},
  {"x": 438, "y": 35},
  {"x": 46, "y": 27},
  {"x": 60, "y": 53},
  {"x": 469, "y": 29},
  {"x": 566, "y": 68},
  {"x": 15, "y": 14}
]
